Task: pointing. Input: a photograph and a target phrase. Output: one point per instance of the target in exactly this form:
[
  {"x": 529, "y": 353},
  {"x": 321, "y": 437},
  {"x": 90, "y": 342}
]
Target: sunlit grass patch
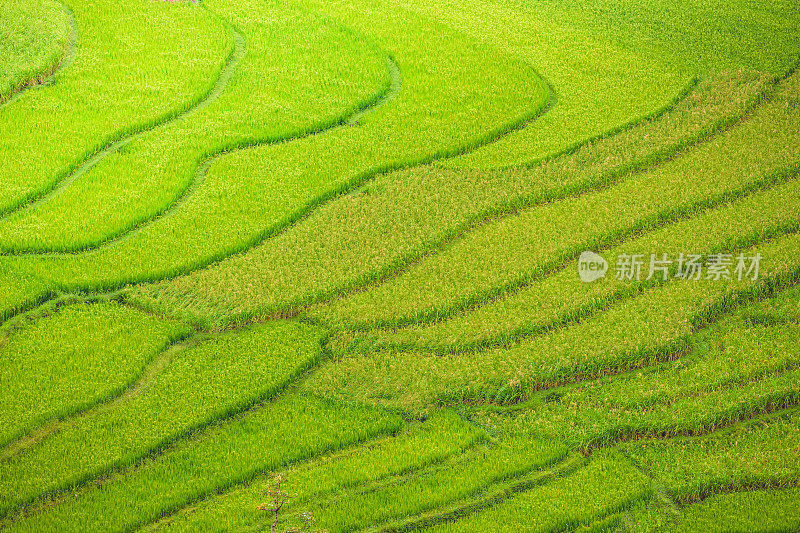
[
  {"x": 608, "y": 484},
  {"x": 72, "y": 358},
  {"x": 202, "y": 381},
  {"x": 268, "y": 438},
  {"x": 511, "y": 251},
  {"x": 337, "y": 478},
  {"x": 654, "y": 326},
  {"x": 34, "y": 39},
  {"x": 756, "y": 511},
  {"x": 403, "y": 216},
  {"x": 763, "y": 452},
  {"x": 341, "y": 73},
  {"x": 249, "y": 195},
  {"x": 338, "y": 241},
  {"x": 123, "y": 78}
]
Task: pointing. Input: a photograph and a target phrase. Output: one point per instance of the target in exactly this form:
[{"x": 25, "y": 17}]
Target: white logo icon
[{"x": 591, "y": 267}]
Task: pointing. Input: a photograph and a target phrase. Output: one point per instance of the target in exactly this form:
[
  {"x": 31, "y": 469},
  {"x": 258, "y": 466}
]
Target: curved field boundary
[
  {"x": 396, "y": 84},
  {"x": 159, "y": 445},
  {"x": 746, "y": 507},
  {"x": 493, "y": 463},
  {"x": 774, "y": 405},
  {"x": 50, "y": 76},
  {"x": 666, "y": 217},
  {"x": 398, "y": 267},
  {"x": 280, "y": 226},
  {"x": 725, "y": 418},
  {"x": 390, "y": 93},
  {"x": 736, "y": 439},
  {"x": 225, "y": 440},
  {"x": 117, "y": 141},
  {"x": 608, "y": 361},
  {"x": 700, "y": 320},
  {"x": 490, "y": 496},
  {"x": 223, "y": 78},
  {"x": 516, "y": 205},
  {"x": 352, "y": 119},
  {"x": 442, "y": 440},
  {"x": 743, "y": 486},
  {"x": 728, "y": 417},
  {"x": 439, "y": 314},
  {"x": 199, "y": 176},
  {"x": 762, "y": 400},
  {"x": 578, "y": 499},
  {"x": 603, "y": 243},
  {"x": 105, "y": 284},
  {"x": 501, "y": 493},
  {"x": 571, "y": 149},
  {"x": 33, "y": 434}
]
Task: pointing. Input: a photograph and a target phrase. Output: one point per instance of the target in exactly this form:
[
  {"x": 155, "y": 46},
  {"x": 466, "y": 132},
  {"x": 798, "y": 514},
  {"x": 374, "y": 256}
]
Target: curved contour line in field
[
  {"x": 116, "y": 141},
  {"x": 434, "y": 315},
  {"x": 87, "y": 164},
  {"x": 351, "y": 119},
  {"x": 50, "y": 75}
]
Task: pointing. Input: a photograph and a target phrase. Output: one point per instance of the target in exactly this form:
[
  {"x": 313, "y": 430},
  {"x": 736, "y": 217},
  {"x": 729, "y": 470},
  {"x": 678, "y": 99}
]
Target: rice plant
[{"x": 382, "y": 266}]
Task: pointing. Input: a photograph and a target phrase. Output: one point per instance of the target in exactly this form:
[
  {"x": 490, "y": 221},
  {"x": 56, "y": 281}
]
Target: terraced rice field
[{"x": 343, "y": 244}]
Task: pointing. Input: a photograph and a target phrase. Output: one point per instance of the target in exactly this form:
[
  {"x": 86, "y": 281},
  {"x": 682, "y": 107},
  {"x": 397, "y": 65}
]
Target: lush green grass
[
  {"x": 270, "y": 437},
  {"x": 602, "y": 56},
  {"x": 756, "y": 34},
  {"x": 69, "y": 358},
  {"x": 763, "y": 452},
  {"x": 403, "y": 456},
  {"x": 733, "y": 372},
  {"x": 158, "y": 167},
  {"x": 606, "y": 485},
  {"x": 510, "y": 251},
  {"x": 20, "y": 292},
  {"x": 362, "y": 218},
  {"x": 122, "y": 78},
  {"x": 34, "y": 39},
  {"x": 344, "y": 244},
  {"x": 654, "y": 326},
  {"x": 452, "y": 481},
  {"x": 459, "y": 482},
  {"x": 201, "y": 382},
  {"x": 758, "y": 510},
  {"x": 458, "y": 98},
  {"x": 561, "y": 298},
  {"x": 597, "y": 83}
]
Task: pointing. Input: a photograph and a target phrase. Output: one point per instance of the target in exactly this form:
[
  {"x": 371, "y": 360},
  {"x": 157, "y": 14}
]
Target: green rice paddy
[{"x": 342, "y": 244}]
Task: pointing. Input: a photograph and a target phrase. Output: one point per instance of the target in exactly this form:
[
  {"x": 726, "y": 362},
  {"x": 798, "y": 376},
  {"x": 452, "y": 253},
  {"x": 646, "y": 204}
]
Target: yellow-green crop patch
[
  {"x": 36, "y": 38},
  {"x": 152, "y": 172},
  {"x": 606, "y": 485},
  {"x": 72, "y": 358},
  {"x": 342, "y": 245},
  {"x": 383, "y": 265},
  {"x": 758, "y": 510},
  {"x": 123, "y": 78},
  {"x": 439, "y": 438},
  {"x": 201, "y": 382},
  {"x": 268, "y": 438}
]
